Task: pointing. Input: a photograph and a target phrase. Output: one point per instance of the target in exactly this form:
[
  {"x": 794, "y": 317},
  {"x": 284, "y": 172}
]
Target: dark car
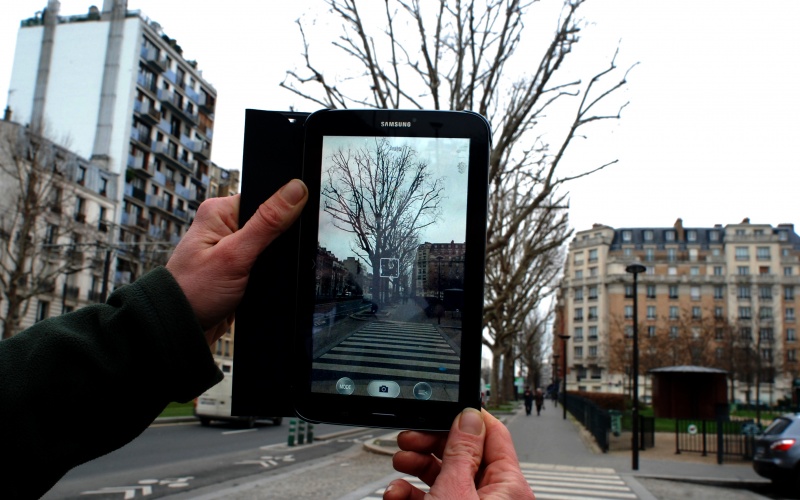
[{"x": 777, "y": 452}]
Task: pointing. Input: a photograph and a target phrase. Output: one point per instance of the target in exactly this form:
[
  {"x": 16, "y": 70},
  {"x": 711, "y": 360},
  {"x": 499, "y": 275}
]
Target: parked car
[
  {"x": 777, "y": 452},
  {"x": 215, "y": 403}
]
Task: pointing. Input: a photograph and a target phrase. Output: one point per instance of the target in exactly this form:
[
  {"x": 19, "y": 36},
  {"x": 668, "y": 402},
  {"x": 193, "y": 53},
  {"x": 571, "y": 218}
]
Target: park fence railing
[
  {"x": 721, "y": 437},
  {"x": 595, "y": 419}
]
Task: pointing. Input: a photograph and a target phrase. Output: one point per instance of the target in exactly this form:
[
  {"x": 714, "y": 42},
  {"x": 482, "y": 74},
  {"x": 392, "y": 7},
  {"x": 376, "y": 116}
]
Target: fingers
[
  {"x": 272, "y": 218},
  {"x": 499, "y": 445},
  {"x": 422, "y": 465},
  {"x": 462, "y": 454},
  {"x": 422, "y": 442},
  {"x": 400, "y": 489}
]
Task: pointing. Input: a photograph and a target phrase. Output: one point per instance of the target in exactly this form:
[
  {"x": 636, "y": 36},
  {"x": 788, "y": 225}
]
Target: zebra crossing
[
  {"x": 395, "y": 350},
  {"x": 559, "y": 482}
]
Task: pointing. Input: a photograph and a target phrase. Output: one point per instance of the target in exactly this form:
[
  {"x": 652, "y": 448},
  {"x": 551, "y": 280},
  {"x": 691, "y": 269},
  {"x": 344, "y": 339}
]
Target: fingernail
[
  {"x": 293, "y": 192},
  {"x": 471, "y": 421}
]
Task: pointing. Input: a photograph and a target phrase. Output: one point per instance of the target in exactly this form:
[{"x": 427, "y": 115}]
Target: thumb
[
  {"x": 462, "y": 457},
  {"x": 272, "y": 218}
]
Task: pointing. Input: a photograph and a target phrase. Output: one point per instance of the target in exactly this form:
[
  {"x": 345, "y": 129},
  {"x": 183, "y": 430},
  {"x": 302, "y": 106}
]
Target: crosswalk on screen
[{"x": 390, "y": 267}]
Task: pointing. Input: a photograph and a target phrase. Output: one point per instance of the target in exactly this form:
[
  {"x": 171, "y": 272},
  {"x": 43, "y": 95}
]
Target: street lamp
[
  {"x": 555, "y": 379},
  {"x": 635, "y": 268},
  {"x": 564, "y": 339}
]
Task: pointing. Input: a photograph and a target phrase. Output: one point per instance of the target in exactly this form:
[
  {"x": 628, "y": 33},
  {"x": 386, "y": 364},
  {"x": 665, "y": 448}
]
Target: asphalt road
[{"x": 167, "y": 459}]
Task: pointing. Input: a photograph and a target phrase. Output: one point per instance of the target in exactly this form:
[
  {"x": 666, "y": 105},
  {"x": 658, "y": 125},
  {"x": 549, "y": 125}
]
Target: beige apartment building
[{"x": 722, "y": 296}]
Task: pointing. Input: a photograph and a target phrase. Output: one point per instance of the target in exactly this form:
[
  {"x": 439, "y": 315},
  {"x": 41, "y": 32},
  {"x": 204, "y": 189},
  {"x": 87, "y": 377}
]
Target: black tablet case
[{"x": 273, "y": 155}]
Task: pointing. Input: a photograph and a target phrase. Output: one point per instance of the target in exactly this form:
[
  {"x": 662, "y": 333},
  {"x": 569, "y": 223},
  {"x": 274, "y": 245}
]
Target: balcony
[
  {"x": 156, "y": 232},
  {"x": 134, "y": 192},
  {"x": 181, "y": 214},
  {"x": 146, "y": 111},
  {"x": 122, "y": 277},
  {"x": 192, "y": 95},
  {"x": 72, "y": 292},
  {"x": 183, "y": 191},
  {"x": 136, "y": 163},
  {"x": 159, "y": 203},
  {"x": 165, "y": 126},
  {"x": 145, "y": 84},
  {"x": 163, "y": 151},
  {"x": 207, "y": 103},
  {"x": 159, "y": 178},
  {"x": 152, "y": 59}
]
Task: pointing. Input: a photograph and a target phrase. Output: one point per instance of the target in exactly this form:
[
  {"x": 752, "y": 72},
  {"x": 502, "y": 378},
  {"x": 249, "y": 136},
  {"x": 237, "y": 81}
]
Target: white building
[{"x": 120, "y": 91}]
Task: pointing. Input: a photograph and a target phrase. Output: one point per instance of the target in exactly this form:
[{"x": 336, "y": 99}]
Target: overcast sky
[{"x": 710, "y": 134}]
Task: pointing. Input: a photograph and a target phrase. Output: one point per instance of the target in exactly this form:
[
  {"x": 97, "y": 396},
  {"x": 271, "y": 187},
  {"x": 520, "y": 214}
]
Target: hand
[
  {"x": 476, "y": 459},
  {"x": 213, "y": 259}
]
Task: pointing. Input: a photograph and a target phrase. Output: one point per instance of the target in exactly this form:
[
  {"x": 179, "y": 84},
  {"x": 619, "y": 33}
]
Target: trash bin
[{"x": 616, "y": 421}]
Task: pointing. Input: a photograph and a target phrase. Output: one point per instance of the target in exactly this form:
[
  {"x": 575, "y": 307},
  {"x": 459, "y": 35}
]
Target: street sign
[{"x": 692, "y": 429}]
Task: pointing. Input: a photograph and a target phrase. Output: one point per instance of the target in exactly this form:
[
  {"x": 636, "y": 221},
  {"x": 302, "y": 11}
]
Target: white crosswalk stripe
[
  {"x": 559, "y": 482},
  {"x": 393, "y": 349}
]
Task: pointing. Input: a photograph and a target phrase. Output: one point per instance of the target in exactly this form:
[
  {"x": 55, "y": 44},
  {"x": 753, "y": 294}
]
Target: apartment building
[
  {"x": 114, "y": 83},
  {"x": 55, "y": 212},
  {"x": 438, "y": 267},
  {"x": 722, "y": 296}
]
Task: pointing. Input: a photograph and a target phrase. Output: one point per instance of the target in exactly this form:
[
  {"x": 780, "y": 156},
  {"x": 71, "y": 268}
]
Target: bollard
[
  {"x": 292, "y": 424},
  {"x": 301, "y": 431},
  {"x": 310, "y": 433}
]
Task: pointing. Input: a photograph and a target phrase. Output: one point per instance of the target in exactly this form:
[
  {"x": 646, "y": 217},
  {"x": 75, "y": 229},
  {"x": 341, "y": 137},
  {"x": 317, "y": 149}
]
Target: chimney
[
  {"x": 7, "y": 114},
  {"x": 746, "y": 220},
  {"x": 679, "y": 233}
]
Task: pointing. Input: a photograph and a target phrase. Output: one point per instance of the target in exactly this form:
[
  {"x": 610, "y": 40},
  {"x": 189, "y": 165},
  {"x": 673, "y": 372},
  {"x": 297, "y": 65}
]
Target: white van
[{"x": 215, "y": 403}]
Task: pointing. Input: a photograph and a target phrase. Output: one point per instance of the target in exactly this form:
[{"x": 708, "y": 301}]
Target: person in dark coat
[
  {"x": 539, "y": 397},
  {"x": 528, "y": 395}
]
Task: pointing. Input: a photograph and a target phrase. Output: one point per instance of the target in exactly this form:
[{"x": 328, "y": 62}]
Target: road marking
[
  {"x": 128, "y": 491},
  {"x": 241, "y": 431}
]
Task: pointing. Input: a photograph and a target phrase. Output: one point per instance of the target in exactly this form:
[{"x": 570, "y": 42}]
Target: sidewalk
[{"x": 550, "y": 440}]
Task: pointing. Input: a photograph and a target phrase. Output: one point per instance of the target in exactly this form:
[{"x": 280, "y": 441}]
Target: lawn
[{"x": 178, "y": 410}]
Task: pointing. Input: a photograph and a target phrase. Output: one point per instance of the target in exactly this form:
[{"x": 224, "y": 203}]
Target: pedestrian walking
[
  {"x": 539, "y": 397},
  {"x": 528, "y": 400}
]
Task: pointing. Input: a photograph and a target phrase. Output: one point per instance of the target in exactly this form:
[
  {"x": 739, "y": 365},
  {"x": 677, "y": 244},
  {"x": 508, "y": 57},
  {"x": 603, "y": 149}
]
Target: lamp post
[
  {"x": 555, "y": 379},
  {"x": 564, "y": 339},
  {"x": 635, "y": 268}
]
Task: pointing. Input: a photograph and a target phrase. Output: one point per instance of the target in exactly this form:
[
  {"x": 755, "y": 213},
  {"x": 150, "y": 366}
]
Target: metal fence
[
  {"x": 720, "y": 437},
  {"x": 596, "y": 420}
]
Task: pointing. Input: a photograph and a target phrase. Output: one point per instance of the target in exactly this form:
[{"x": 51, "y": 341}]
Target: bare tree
[
  {"x": 35, "y": 216},
  {"x": 384, "y": 196},
  {"x": 461, "y": 59}
]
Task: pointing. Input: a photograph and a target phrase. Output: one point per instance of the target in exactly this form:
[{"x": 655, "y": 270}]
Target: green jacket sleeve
[{"x": 78, "y": 386}]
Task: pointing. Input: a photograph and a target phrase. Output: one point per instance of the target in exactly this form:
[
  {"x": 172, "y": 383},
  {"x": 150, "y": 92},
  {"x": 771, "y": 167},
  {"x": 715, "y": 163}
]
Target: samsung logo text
[{"x": 395, "y": 124}]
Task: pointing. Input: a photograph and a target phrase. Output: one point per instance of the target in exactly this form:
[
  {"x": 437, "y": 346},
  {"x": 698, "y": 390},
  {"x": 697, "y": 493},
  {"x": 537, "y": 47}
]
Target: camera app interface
[{"x": 390, "y": 267}]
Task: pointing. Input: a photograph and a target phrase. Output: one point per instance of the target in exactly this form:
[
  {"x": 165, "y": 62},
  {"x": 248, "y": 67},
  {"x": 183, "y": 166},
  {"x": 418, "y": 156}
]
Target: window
[
  {"x": 787, "y": 271},
  {"x": 791, "y": 336},
  {"x": 765, "y": 292},
  {"x": 717, "y": 270},
  {"x": 627, "y": 252},
  {"x": 719, "y": 292},
  {"x": 648, "y": 235},
  {"x": 673, "y": 332},
  {"x": 593, "y": 255},
  {"x": 42, "y": 310},
  {"x": 788, "y": 293},
  {"x": 628, "y": 312},
  {"x": 742, "y": 270},
  {"x": 765, "y": 313},
  {"x": 719, "y": 312},
  {"x": 592, "y": 351},
  {"x": 762, "y": 270},
  {"x": 669, "y": 235},
  {"x": 651, "y": 331},
  {"x": 741, "y": 232},
  {"x": 578, "y": 274},
  {"x": 651, "y": 291},
  {"x": 696, "y": 312},
  {"x": 578, "y": 333},
  {"x": 579, "y": 294},
  {"x": 695, "y": 293},
  {"x": 628, "y": 291},
  {"x": 742, "y": 253},
  {"x": 765, "y": 334},
  {"x": 719, "y": 353},
  {"x": 628, "y": 331},
  {"x": 694, "y": 271},
  {"x": 719, "y": 334},
  {"x": 650, "y": 270},
  {"x": 80, "y": 209},
  {"x": 673, "y": 291},
  {"x": 651, "y": 312},
  {"x": 592, "y": 271},
  {"x": 593, "y": 313},
  {"x": 592, "y": 333},
  {"x": 627, "y": 235},
  {"x": 593, "y": 293},
  {"x": 791, "y": 355},
  {"x": 691, "y": 235},
  {"x": 766, "y": 354},
  {"x": 671, "y": 255},
  {"x": 578, "y": 259},
  {"x": 746, "y": 333},
  {"x": 762, "y": 253},
  {"x": 649, "y": 254},
  {"x": 713, "y": 235},
  {"x": 578, "y": 350},
  {"x": 673, "y": 312},
  {"x": 672, "y": 271},
  {"x": 744, "y": 313},
  {"x": 744, "y": 292},
  {"x": 789, "y": 314},
  {"x": 579, "y": 314}
]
